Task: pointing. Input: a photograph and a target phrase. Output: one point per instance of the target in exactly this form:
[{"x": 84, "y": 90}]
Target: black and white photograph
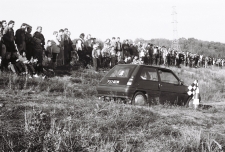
[{"x": 112, "y": 76}]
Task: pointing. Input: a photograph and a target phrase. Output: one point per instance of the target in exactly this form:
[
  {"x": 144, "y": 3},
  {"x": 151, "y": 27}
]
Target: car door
[
  {"x": 148, "y": 82},
  {"x": 171, "y": 90}
]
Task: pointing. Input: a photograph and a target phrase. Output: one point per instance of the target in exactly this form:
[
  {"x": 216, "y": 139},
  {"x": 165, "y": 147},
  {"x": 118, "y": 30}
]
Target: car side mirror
[{"x": 181, "y": 82}]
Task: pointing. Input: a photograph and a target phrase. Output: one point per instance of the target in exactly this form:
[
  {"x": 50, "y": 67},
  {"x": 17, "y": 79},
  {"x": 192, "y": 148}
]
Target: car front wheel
[{"x": 139, "y": 99}]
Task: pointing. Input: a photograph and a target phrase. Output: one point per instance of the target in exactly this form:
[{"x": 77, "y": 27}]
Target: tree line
[{"x": 213, "y": 49}]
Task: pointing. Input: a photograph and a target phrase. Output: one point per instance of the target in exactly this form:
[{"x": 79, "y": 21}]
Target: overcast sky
[{"x": 201, "y": 19}]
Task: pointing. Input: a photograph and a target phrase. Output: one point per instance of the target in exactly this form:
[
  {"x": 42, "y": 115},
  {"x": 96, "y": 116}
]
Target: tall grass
[{"x": 63, "y": 114}]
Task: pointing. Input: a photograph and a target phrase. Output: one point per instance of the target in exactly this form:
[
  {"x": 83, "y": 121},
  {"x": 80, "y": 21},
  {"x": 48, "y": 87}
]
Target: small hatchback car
[{"x": 143, "y": 85}]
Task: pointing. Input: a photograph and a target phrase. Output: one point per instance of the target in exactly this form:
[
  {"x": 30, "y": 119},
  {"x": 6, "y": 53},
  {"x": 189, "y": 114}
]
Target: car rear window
[{"x": 121, "y": 71}]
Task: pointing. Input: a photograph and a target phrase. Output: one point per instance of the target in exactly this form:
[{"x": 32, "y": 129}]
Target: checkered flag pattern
[{"x": 192, "y": 88}]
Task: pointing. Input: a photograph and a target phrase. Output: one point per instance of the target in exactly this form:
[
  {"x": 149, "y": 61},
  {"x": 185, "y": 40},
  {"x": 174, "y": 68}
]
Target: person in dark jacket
[
  {"x": 150, "y": 50},
  {"x": 130, "y": 50},
  {"x": 88, "y": 45},
  {"x": 38, "y": 46},
  {"x": 8, "y": 38},
  {"x": 125, "y": 48},
  {"x": 4, "y": 24},
  {"x": 73, "y": 56},
  {"x": 1, "y": 35},
  {"x": 38, "y": 34},
  {"x": 134, "y": 50},
  {"x": 1, "y": 53},
  {"x": 119, "y": 48},
  {"x": 20, "y": 38},
  {"x": 29, "y": 45},
  {"x": 67, "y": 47}
]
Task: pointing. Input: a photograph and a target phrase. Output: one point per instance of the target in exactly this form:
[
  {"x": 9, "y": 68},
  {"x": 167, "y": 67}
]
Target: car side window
[
  {"x": 168, "y": 77},
  {"x": 122, "y": 72},
  {"x": 149, "y": 74}
]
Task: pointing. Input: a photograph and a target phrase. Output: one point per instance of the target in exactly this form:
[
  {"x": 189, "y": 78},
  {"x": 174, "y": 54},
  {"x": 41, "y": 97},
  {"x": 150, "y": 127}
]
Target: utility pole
[{"x": 175, "y": 43}]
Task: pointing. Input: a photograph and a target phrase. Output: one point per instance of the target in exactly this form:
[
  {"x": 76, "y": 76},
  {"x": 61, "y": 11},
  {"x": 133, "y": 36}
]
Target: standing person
[
  {"x": 4, "y": 24},
  {"x": 53, "y": 49},
  {"x": 20, "y": 38},
  {"x": 39, "y": 42},
  {"x": 99, "y": 56},
  {"x": 8, "y": 38},
  {"x": 1, "y": 53},
  {"x": 141, "y": 52},
  {"x": 93, "y": 41},
  {"x": 80, "y": 48},
  {"x": 147, "y": 48},
  {"x": 61, "y": 38},
  {"x": 68, "y": 34},
  {"x": 1, "y": 35},
  {"x": 3, "y": 47},
  {"x": 164, "y": 55},
  {"x": 38, "y": 34},
  {"x": 112, "y": 52},
  {"x": 113, "y": 42},
  {"x": 71, "y": 45},
  {"x": 130, "y": 50},
  {"x": 125, "y": 48},
  {"x": 67, "y": 46},
  {"x": 106, "y": 54},
  {"x": 72, "y": 53},
  {"x": 155, "y": 55},
  {"x": 160, "y": 55},
  {"x": 119, "y": 48},
  {"x": 134, "y": 48},
  {"x": 150, "y": 52},
  {"x": 88, "y": 44},
  {"x": 95, "y": 56},
  {"x": 114, "y": 46},
  {"x": 29, "y": 45}
]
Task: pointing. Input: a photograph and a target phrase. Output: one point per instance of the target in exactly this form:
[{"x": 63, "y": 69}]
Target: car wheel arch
[{"x": 141, "y": 93}]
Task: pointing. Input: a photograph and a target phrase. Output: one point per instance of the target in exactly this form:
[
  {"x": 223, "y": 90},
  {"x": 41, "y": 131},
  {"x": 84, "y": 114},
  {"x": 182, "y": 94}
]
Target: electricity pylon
[{"x": 175, "y": 43}]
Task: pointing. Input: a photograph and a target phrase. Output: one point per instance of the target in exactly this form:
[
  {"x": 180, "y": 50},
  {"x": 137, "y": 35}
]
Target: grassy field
[{"x": 63, "y": 114}]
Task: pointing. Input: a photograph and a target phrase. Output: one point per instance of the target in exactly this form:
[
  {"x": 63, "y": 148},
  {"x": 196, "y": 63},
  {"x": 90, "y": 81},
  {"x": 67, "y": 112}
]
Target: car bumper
[{"x": 114, "y": 91}]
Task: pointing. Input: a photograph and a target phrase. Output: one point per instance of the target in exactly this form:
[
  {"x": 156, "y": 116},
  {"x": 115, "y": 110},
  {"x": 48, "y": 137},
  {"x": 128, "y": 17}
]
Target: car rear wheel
[{"x": 139, "y": 99}]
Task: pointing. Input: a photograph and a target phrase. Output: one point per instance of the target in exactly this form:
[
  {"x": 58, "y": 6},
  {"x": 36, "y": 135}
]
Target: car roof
[{"x": 143, "y": 65}]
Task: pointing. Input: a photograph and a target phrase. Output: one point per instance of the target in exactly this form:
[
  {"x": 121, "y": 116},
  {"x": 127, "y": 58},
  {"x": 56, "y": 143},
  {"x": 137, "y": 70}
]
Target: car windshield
[{"x": 121, "y": 71}]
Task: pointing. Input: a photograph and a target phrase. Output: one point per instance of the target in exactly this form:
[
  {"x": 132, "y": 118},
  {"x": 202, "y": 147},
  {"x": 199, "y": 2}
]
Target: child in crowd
[
  {"x": 36, "y": 65},
  {"x": 136, "y": 60},
  {"x": 27, "y": 64},
  {"x": 16, "y": 65},
  {"x": 120, "y": 60},
  {"x": 128, "y": 60}
]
